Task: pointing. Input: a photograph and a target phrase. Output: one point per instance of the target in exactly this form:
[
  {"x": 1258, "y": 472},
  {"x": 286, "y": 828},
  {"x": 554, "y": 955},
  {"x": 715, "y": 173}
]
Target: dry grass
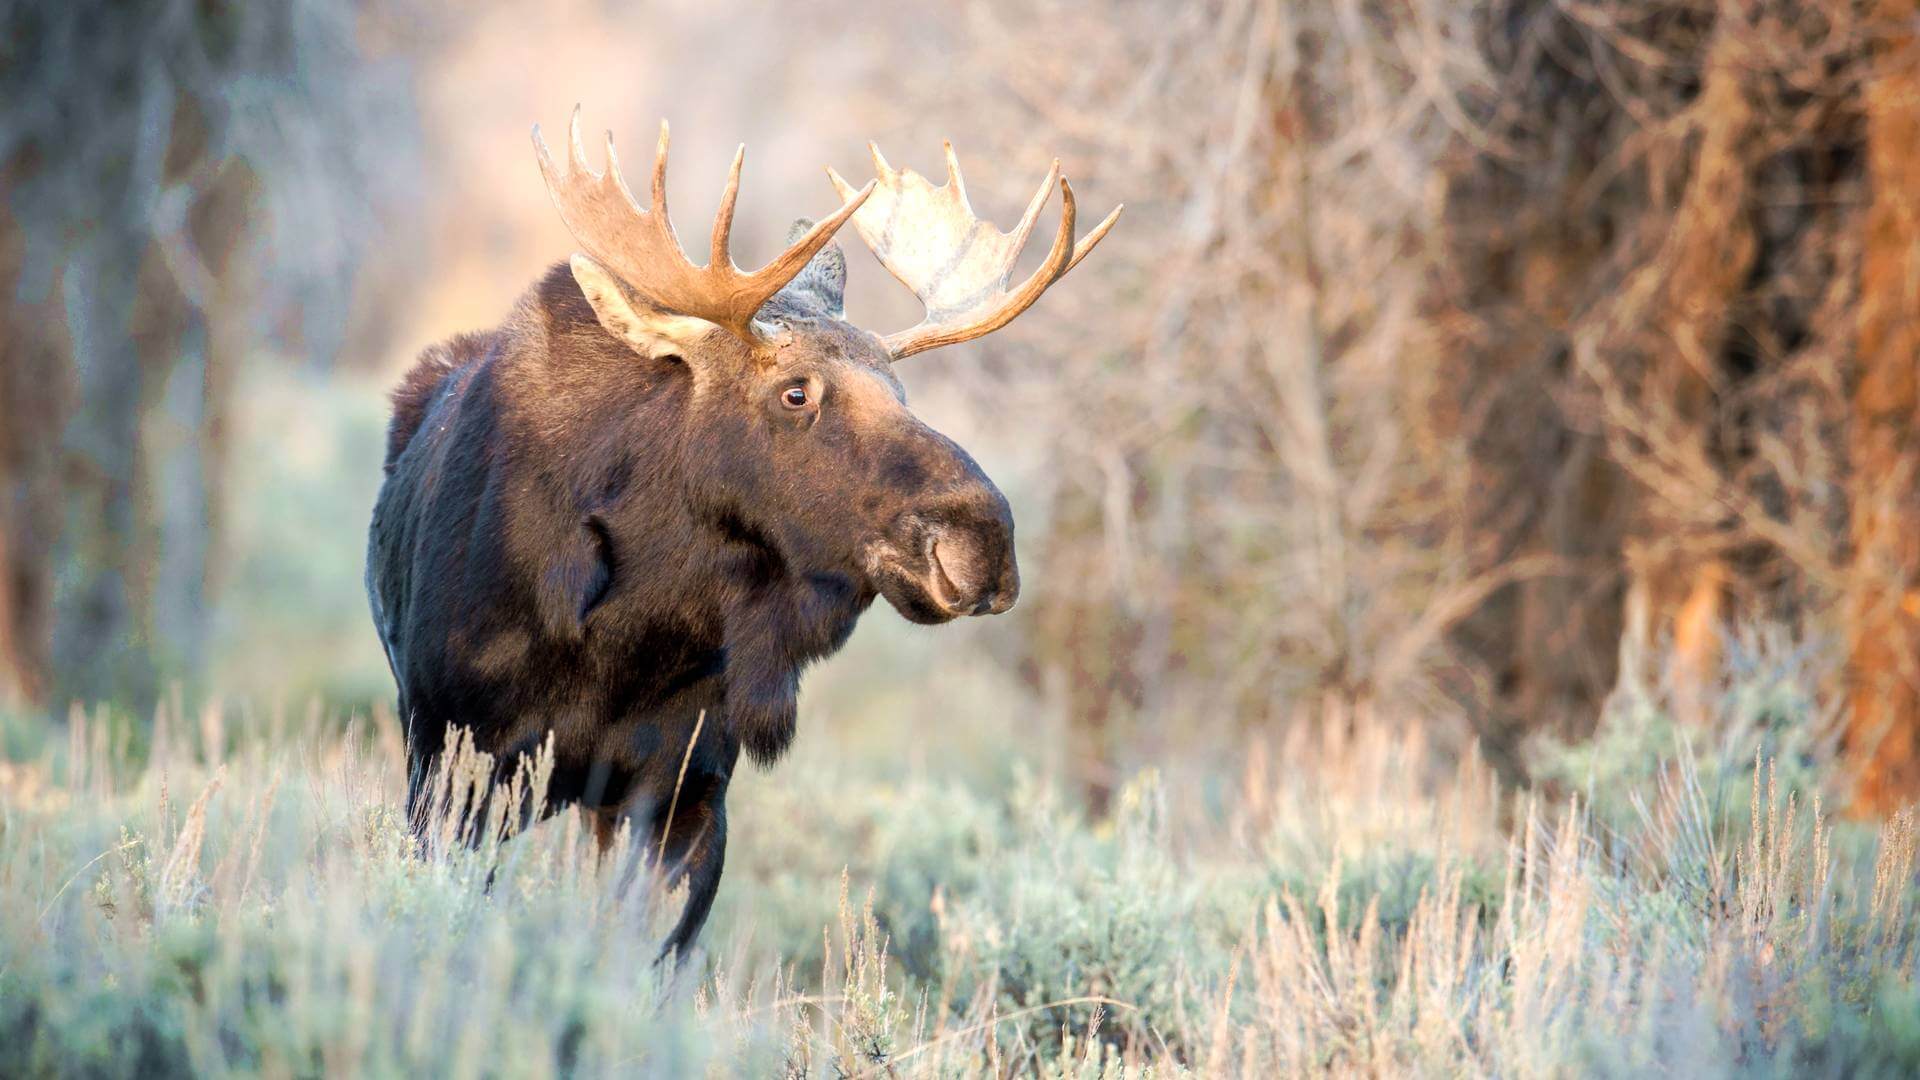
[{"x": 248, "y": 902}]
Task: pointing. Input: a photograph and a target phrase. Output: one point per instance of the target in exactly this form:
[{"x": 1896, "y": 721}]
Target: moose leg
[
  {"x": 419, "y": 783},
  {"x": 606, "y": 828},
  {"x": 695, "y": 851},
  {"x": 423, "y": 747}
]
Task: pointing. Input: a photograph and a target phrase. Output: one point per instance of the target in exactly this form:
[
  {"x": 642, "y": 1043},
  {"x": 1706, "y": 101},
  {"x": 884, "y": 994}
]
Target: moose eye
[{"x": 794, "y": 397}]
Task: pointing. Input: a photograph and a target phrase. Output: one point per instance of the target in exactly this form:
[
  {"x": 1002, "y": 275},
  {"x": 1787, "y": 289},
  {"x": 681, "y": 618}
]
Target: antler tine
[
  {"x": 640, "y": 246},
  {"x": 660, "y": 173},
  {"x": 613, "y": 171},
  {"x": 840, "y": 185},
  {"x": 954, "y": 182},
  {"x": 576, "y": 150},
  {"x": 719, "y": 251},
  {"x": 1032, "y": 215},
  {"x": 1087, "y": 242},
  {"x": 958, "y": 265},
  {"x": 791, "y": 261},
  {"x": 1062, "y": 249}
]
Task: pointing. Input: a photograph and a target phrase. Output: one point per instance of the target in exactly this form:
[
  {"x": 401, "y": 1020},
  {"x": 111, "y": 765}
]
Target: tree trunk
[
  {"x": 34, "y": 388},
  {"x": 1883, "y": 609},
  {"x": 1678, "y": 579}
]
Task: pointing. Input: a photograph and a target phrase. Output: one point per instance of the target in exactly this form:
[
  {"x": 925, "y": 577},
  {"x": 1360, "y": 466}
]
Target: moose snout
[
  {"x": 968, "y": 577},
  {"x": 969, "y": 561}
]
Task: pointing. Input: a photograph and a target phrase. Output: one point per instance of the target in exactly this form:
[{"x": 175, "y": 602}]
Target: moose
[{"x": 628, "y": 518}]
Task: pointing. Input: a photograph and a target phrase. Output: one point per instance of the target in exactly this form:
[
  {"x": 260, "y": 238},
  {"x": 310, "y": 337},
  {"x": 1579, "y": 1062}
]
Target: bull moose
[{"x": 631, "y": 515}]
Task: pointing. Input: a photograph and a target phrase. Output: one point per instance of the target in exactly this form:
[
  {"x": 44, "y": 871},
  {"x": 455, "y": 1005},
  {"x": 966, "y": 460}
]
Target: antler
[
  {"x": 640, "y": 246},
  {"x": 958, "y": 265}
]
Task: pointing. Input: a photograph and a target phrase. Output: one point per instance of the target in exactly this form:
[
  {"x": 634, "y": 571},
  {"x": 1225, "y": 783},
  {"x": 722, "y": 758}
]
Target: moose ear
[
  {"x": 822, "y": 283},
  {"x": 648, "y": 332}
]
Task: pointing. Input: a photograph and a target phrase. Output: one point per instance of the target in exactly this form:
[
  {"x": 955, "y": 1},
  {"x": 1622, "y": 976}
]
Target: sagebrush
[{"x": 224, "y": 900}]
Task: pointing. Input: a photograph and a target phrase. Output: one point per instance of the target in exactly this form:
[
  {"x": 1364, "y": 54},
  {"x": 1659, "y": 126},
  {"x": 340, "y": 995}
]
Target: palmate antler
[
  {"x": 958, "y": 265},
  {"x": 639, "y": 246}
]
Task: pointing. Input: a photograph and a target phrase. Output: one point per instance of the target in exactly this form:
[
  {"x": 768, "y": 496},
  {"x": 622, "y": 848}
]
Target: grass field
[{"x": 233, "y": 894}]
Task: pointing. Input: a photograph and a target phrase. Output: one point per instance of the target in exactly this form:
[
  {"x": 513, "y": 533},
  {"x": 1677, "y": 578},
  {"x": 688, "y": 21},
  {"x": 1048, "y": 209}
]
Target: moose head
[{"x": 798, "y": 431}]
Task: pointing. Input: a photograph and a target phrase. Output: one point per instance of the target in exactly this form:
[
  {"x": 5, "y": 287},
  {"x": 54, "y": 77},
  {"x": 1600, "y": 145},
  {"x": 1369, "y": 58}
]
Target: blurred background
[{"x": 1461, "y": 361}]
